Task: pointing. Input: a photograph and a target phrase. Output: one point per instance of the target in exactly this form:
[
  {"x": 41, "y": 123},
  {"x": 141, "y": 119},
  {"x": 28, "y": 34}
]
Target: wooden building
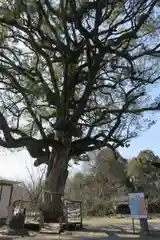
[{"x": 6, "y": 191}]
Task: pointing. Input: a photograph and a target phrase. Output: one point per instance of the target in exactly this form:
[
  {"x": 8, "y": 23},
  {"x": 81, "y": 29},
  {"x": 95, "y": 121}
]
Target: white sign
[{"x": 137, "y": 205}]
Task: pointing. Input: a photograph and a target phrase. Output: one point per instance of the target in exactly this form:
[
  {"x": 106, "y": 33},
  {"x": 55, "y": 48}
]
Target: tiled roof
[
  {"x": 1, "y": 178},
  {"x": 7, "y": 181}
]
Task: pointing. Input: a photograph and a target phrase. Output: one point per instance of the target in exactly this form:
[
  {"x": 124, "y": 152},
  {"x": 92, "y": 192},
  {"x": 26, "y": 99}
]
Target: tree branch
[{"x": 22, "y": 91}]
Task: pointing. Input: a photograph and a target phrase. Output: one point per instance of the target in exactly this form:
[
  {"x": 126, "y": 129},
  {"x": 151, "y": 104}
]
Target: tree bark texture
[
  {"x": 144, "y": 229},
  {"x": 56, "y": 177}
]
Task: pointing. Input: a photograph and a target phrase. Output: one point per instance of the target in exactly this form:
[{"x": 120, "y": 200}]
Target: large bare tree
[
  {"x": 74, "y": 77},
  {"x": 34, "y": 187}
]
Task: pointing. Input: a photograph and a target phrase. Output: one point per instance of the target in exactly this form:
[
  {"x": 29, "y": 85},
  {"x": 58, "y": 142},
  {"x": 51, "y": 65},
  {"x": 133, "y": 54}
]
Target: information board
[{"x": 137, "y": 205}]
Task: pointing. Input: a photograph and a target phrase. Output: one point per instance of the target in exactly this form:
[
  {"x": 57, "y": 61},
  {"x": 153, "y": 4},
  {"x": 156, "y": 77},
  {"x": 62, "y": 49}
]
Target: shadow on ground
[
  {"x": 111, "y": 232},
  {"x": 105, "y": 232}
]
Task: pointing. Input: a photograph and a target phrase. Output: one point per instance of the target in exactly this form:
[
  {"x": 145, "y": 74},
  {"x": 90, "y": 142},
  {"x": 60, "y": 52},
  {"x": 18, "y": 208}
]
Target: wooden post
[
  {"x": 133, "y": 226},
  {"x": 43, "y": 197},
  {"x": 81, "y": 213},
  {"x": 41, "y": 220},
  {"x": 1, "y": 191},
  {"x": 10, "y": 197},
  {"x": 66, "y": 209},
  {"x": 144, "y": 229}
]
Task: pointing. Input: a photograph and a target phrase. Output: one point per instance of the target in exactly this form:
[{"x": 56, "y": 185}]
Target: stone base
[
  {"x": 52, "y": 217},
  {"x": 18, "y": 232},
  {"x": 51, "y": 228},
  {"x": 16, "y": 222}
]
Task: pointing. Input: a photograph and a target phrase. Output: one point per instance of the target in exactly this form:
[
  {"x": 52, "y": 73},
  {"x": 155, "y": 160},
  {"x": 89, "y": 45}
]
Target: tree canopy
[
  {"x": 76, "y": 73},
  {"x": 102, "y": 185},
  {"x": 110, "y": 178},
  {"x": 144, "y": 175}
]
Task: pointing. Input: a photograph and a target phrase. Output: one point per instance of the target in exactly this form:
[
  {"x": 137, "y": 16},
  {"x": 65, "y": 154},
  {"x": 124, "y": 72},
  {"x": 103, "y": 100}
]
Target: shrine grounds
[{"x": 99, "y": 229}]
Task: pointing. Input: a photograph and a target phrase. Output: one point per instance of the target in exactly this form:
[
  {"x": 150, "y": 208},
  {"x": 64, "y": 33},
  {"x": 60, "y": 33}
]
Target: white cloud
[{"x": 13, "y": 165}]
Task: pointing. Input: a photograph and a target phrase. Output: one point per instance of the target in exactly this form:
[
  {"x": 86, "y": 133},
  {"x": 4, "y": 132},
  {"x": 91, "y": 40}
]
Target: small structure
[
  {"x": 24, "y": 215},
  {"x": 74, "y": 213},
  {"x": 6, "y": 190},
  {"x": 30, "y": 215}
]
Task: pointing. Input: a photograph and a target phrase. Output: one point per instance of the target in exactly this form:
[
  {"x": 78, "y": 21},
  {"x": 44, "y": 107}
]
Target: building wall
[
  {"x": 4, "y": 200},
  {"x": 19, "y": 193}
]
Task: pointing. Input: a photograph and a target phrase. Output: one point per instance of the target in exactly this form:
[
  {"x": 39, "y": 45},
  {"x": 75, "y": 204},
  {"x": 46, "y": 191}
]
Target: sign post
[
  {"x": 134, "y": 231},
  {"x": 137, "y": 207}
]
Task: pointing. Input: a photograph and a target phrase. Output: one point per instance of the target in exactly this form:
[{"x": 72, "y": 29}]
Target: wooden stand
[
  {"x": 72, "y": 216},
  {"x": 41, "y": 220},
  {"x": 134, "y": 231},
  {"x": 144, "y": 229}
]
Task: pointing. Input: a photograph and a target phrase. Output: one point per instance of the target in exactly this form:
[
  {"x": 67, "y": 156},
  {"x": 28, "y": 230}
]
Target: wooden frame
[
  {"x": 1, "y": 190},
  {"x": 67, "y": 211},
  {"x": 11, "y": 192},
  {"x": 75, "y": 215}
]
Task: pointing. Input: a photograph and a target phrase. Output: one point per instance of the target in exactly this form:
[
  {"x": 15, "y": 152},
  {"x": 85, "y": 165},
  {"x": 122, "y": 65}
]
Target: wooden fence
[
  {"x": 72, "y": 211},
  {"x": 32, "y": 212}
]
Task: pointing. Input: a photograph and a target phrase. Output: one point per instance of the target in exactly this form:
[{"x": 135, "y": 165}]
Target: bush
[{"x": 99, "y": 209}]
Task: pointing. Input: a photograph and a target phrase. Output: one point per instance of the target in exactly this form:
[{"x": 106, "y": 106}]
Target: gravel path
[{"x": 99, "y": 229}]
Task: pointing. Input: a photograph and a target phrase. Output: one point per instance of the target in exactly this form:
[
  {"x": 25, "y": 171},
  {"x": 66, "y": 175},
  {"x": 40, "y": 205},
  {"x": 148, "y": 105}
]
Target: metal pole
[{"x": 133, "y": 226}]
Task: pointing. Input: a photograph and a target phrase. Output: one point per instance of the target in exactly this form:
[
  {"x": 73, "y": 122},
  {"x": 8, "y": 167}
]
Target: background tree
[
  {"x": 74, "y": 78},
  {"x": 144, "y": 174},
  {"x": 109, "y": 172},
  {"x": 109, "y": 179},
  {"x": 35, "y": 185},
  {"x": 76, "y": 188},
  {"x": 102, "y": 185}
]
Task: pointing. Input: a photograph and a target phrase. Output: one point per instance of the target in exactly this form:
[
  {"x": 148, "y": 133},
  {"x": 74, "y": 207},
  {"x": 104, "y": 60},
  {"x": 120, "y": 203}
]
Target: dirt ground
[{"x": 100, "y": 229}]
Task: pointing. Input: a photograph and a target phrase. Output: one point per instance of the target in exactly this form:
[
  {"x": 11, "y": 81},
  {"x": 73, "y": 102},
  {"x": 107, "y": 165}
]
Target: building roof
[{"x": 7, "y": 181}]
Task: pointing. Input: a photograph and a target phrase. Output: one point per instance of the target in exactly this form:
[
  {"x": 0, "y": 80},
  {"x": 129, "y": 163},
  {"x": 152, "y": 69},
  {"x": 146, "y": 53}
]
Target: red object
[{"x": 10, "y": 211}]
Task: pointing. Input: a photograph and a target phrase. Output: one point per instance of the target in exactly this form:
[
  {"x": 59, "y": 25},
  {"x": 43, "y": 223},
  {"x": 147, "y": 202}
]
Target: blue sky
[
  {"x": 147, "y": 140},
  {"x": 13, "y": 164}
]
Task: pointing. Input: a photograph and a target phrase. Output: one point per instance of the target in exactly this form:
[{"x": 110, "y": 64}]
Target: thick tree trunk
[
  {"x": 55, "y": 183},
  {"x": 144, "y": 230}
]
